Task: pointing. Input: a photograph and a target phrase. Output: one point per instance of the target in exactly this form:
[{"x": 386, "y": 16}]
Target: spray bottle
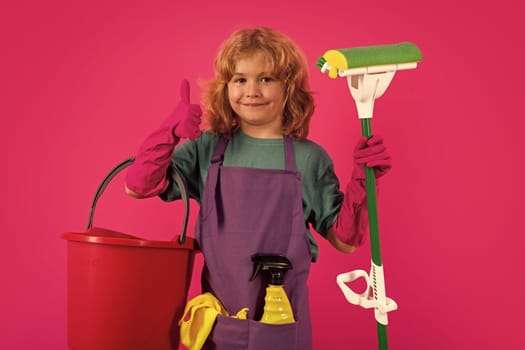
[{"x": 277, "y": 308}]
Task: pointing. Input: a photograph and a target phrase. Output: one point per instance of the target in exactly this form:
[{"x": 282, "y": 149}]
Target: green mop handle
[{"x": 374, "y": 226}]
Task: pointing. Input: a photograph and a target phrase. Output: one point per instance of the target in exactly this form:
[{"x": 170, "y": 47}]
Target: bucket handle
[{"x": 175, "y": 174}]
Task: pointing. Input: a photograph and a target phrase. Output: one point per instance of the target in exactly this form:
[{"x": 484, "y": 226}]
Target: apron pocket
[
  {"x": 228, "y": 333},
  {"x": 264, "y": 336},
  {"x": 235, "y": 334}
]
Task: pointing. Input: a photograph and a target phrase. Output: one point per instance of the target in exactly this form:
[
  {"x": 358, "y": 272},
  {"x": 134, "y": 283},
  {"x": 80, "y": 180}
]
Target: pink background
[{"x": 84, "y": 81}]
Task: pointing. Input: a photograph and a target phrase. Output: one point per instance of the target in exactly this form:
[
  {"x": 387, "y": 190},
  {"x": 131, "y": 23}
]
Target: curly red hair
[{"x": 288, "y": 64}]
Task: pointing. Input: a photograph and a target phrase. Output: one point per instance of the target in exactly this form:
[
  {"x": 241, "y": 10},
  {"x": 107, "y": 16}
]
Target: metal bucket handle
[{"x": 175, "y": 174}]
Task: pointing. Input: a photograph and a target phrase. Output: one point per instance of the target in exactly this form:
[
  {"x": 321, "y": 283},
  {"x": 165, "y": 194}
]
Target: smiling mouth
[{"x": 254, "y": 104}]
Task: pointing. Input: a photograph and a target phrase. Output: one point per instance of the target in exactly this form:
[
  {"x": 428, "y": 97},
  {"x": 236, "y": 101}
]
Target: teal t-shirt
[{"x": 322, "y": 197}]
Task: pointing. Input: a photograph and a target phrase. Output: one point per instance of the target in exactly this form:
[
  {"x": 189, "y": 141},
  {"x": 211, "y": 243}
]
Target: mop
[{"x": 369, "y": 71}]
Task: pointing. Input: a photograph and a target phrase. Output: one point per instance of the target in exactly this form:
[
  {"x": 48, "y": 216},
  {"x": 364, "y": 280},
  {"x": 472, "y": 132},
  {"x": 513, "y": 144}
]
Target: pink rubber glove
[
  {"x": 372, "y": 153},
  {"x": 147, "y": 175},
  {"x": 351, "y": 225}
]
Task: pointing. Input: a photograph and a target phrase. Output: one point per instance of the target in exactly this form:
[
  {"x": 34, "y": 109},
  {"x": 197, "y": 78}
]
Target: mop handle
[
  {"x": 371, "y": 195},
  {"x": 175, "y": 174}
]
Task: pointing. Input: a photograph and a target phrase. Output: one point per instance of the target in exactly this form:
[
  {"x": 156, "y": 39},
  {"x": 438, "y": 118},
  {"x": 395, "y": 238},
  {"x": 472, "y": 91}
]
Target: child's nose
[{"x": 252, "y": 89}]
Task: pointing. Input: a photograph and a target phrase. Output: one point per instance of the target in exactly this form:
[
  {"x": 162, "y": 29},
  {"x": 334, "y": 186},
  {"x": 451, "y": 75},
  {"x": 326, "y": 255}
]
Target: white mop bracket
[
  {"x": 374, "y": 295},
  {"x": 366, "y": 84}
]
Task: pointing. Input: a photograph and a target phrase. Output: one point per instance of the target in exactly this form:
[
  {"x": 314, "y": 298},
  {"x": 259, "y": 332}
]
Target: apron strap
[{"x": 218, "y": 155}]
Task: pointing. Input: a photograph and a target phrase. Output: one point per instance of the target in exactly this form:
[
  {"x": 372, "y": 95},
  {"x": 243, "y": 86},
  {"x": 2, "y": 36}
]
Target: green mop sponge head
[{"x": 365, "y": 56}]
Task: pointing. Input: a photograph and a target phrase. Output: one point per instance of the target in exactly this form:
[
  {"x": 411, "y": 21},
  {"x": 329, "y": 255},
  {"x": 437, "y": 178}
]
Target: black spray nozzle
[{"x": 276, "y": 264}]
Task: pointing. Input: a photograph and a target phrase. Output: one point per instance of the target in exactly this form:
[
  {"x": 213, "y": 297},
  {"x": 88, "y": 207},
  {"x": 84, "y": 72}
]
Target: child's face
[{"x": 257, "y": 97}]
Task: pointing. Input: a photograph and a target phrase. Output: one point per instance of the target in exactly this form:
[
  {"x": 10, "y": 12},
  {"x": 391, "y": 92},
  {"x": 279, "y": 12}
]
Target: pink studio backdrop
[{"x": 84, "y": 82}]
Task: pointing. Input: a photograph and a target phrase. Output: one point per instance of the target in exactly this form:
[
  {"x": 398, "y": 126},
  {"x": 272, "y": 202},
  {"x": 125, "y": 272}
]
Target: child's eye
[
  {"x": 267, "y": 79},
  {"x": 239, "y": 80}
]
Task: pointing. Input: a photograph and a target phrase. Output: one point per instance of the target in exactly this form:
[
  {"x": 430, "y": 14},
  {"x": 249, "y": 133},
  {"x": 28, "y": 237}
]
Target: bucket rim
[{"x": 98, "y": 235}]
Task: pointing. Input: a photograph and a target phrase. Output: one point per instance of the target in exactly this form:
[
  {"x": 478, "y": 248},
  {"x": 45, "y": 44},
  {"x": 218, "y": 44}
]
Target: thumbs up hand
[
  {"x": 186, "y": 117},
  {"x": 146, "y": 177}
]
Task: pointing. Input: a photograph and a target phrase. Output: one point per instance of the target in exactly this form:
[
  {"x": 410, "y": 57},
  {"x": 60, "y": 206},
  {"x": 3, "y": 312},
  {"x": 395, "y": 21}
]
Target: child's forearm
[
  {"x": 351, "y": 225},
  {"x": 146, "y": 177}
]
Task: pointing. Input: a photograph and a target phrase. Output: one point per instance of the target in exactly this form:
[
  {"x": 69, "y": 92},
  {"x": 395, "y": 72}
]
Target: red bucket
[{"x": 124, "y": 292}]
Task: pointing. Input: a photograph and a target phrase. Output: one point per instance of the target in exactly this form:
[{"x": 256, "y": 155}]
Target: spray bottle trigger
[{"x": 256, "y": 270}]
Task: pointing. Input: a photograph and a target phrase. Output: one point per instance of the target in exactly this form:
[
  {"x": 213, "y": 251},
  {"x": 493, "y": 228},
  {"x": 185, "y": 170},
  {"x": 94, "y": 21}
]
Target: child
[{"x": 259, "y": 181}]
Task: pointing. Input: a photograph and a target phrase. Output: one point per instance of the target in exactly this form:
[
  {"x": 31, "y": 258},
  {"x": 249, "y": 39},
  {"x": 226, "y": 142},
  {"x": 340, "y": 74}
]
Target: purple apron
[{"x": 246, "y": 211}]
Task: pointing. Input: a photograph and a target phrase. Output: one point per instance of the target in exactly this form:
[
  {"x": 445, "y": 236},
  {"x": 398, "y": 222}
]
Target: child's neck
[{"x": 261, "y": 133}]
